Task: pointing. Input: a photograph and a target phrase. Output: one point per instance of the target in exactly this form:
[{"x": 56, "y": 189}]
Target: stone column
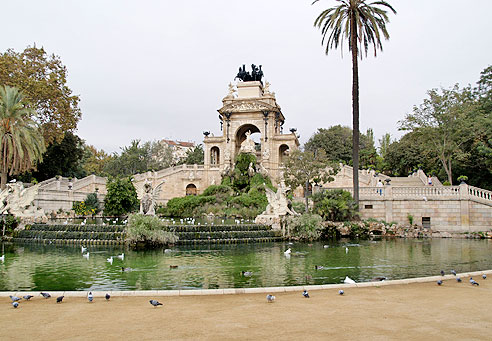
[
  {"x": 464, "y": 206},
  {"x": 388, "y": 203}
]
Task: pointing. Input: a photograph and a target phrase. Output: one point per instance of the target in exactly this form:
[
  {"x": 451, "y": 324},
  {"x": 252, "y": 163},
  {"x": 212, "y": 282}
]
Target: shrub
[
  {"x": 306, "y": 227},
  {"x": 462, "y": 178},
  {"x": 92, "y": 202},
  {"x": 241, "y": 181},
  {"x": 335, "y": 205},
  {"x": 148, "y": 230},
  {"x": 446, "y": 183},
  {"x": 121, "y": 197},
  {"x": 9, "y": 222},
  {"x": 80, "y": 208},
  {"x": 184, "y": 207},
  {"x": 217, "y": 190},
  {"x": 410, "y": 218}
]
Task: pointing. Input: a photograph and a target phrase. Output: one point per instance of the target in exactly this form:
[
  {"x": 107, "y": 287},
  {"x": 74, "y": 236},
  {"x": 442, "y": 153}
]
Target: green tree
[
  {"x": 307, "y": 168},
  {"x": 43, "y": 80},
  {"x": 336, "y": 141},
  {"x": 65, "y": 158},
  {"x": 442, "y": 123},
  {"x": 361, "y": 24},
  {"x": 21, "y": 143},
  {"x": 384, "y": 143},
  {"x": 121, "y": 197},
  {"x": 194, "y": 156},
  {"x": 95, "y": 160}
]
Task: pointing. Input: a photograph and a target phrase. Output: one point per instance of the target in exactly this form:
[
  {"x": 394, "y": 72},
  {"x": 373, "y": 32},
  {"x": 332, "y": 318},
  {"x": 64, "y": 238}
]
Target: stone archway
[
  {"x": 283, "y": 153},
  {"x": 214, "y": 156},
  {"x": 241, "y": 136},
  {"x": 191, "y": 189}
]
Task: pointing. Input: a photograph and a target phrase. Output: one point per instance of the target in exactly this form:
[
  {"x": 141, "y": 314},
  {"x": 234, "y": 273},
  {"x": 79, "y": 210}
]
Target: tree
[
  {"x": 42, "y": 79},
  {"x": 361, "y": 24},
  {"x": 336, "y": 141},
  {"x": 194, "y": 156},
  {"x": 121, "y": 197},
  {"x": 65, "y": 158},
  {"x": 442, "y": 124},
  {"x": 95, "y": 160},
  {"x": 305, "y": 168},
  {"x": 384, "y": 143},
  {"x": 21, "y": 144}
]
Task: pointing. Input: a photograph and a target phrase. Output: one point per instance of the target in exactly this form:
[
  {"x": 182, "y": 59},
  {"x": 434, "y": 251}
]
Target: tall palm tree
[
  {"x": 21, "y": 142},
  {"x": 361, "y": 24}
]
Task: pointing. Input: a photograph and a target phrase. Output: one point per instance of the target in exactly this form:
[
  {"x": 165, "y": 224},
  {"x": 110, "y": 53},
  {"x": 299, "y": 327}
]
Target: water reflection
[{"x": 49, "y": 267}]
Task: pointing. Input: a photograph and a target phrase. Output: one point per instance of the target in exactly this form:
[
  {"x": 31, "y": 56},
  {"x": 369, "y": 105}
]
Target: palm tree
[
  {"x": 361, "y": 24},
  {"x": 21, "y": 142}
]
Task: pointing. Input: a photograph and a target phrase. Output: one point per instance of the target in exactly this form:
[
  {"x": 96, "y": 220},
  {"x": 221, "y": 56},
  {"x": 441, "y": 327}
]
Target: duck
[
  {"x": 86, "y": 255},
  {"x": 83, "y": 249},
  {"x": 122, "y": 256},
  {"x": 173, "y": 266},
  {"x": 123, "y": 269},
  {"x": 2, "y": 258},
  {"x": 110, "y": 260},
  {"x": 246, "y": 273},
  {"x": 288, "y": 251},
  {"x": 318, "y": 267}
]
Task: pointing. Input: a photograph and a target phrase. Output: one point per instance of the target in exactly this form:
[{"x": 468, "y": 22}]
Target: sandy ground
[{"x": 410, "y": 311}]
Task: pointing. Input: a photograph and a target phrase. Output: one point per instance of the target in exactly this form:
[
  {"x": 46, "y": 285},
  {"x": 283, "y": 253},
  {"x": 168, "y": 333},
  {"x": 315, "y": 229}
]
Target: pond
[{"x": 50, "y": 267}]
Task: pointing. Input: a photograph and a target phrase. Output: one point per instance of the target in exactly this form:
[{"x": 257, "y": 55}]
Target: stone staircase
[
  {"x": 115, "y": 235},
  {"x": 406, "y": 182}
]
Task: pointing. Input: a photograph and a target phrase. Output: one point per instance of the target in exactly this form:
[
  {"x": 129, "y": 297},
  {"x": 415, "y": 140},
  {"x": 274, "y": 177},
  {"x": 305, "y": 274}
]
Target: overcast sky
[{"x": 159, "y": 69}]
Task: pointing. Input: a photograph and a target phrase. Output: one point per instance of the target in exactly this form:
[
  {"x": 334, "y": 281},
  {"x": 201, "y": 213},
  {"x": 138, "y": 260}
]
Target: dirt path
[{"x": 412, "y": 311}]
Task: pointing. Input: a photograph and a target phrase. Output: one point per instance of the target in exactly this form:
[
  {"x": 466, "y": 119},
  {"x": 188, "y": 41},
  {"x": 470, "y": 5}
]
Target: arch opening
[
  {"x": 191, "y": 189},
  {"x": 283, "y": 153},
  {"x": 254, "y": 134},
  {"x": 214, "y": 156}
]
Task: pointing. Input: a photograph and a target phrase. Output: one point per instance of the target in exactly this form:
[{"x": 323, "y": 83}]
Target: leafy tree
[
  {"x": 139, "y": 158},
  {"x": 42, "y": 78},
  {"x": 21, "y": 143},
  {"x": 361, "y": 24},
  {"x": 65, "y": 158},
  {"x": 335, "y": 205},
  {"x": 121, "y": 197},
  {"x": 306, "y": 227},
  {"x": 95, "y": 160},
  {"x": 441, "y": 122},
  {"x": 194, "y": 156},
  {"x": 384, "y": 143},
  {"x": 306, "y": 168},
  {"x": 336, "y": 141}
]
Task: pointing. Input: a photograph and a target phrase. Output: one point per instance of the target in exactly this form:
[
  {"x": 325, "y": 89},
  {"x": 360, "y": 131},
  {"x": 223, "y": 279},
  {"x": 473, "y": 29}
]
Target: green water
[{"x": 50, "y": 267}]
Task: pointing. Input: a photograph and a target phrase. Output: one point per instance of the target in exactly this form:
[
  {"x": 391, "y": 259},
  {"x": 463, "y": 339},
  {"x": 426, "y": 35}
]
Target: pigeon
[
  {"x": 270, "y": 298},
  {"x": 442, "y": 272},
  {"x": 15, "y": 304},
  {"x": 484, "y": 276},
  {"x": 453, "y": 272},
  {"x": 90, "y": 297},
  {"x": 246, "y": 273},
  {"x": 59, "y": 299},
  {"x": 45, "y": 295},
  {"x": 305, "y": 294},
  {"x": 110, "y": 260},
  {"x": 458, "y": 279},
  {"x": 340, "y": 292},
  {"x": 473, "y": 282},
  {"x": 155, "y": 303},
  {"x": 348, "y": 280},
  {"x": 86, "y": 255},
  {"x": 439, "y": 282},
  {"x": 287, "y": 252},
  {"x": 14, "y": 298},
  {"x": 83, "y": 249},
  {"x": 107, "y": 297},
  {"x": 122, "y": 256},
  {"x": 27, "y": 297}
]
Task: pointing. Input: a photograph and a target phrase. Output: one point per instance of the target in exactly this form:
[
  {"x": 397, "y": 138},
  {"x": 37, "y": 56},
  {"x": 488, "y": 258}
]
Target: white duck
[
  {"x": 287, "y": 252},
  {"x": 348, "y": 280},
  {"x": 122, "y": 256},
  {"x": 110, "y": 260},
  {"x": 2, "y": 258},
  {"x": 86, "y": 255},
  {"x": 83, "y": 249}
]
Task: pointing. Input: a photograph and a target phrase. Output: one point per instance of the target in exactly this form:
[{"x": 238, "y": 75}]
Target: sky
[{"x": 159, "y": 69}]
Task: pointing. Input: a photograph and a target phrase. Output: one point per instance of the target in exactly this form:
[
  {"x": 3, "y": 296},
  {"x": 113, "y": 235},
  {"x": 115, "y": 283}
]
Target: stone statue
[
  {"x": 262, "y": 170},
  {"x": 266, "y": 88},
  {"x": 251, "y": 170},
  {"x": 277, "y": 208},
  {"x": 227, "y": 155},
  {"x": 232, "y": 91},
  {"x": 248, "y": 145},
  {"x": 19, "y": 201},
  {"x": 266, "y": 154},
  {"x": 149, "y": 197}
]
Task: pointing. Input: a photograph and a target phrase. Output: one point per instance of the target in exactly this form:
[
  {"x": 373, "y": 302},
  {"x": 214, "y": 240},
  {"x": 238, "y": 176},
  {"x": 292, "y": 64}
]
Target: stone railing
[
  {"x": 479, "y": 194},
  {"x": 461, "y": 192}
]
